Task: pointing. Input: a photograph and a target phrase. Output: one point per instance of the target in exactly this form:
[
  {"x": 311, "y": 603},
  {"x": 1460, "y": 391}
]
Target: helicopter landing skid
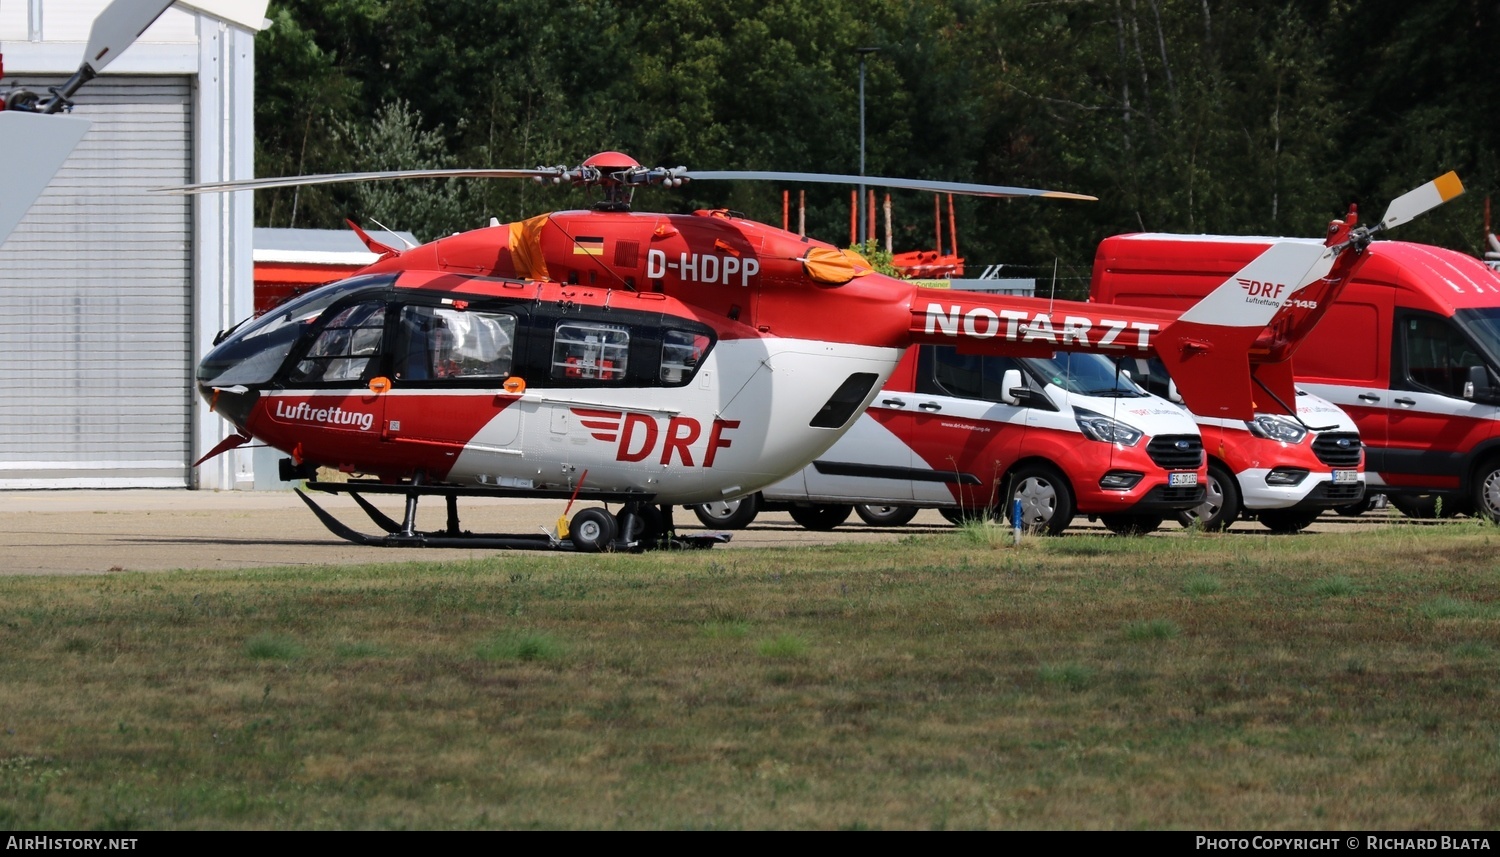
[{"x": 407, "y": 536}]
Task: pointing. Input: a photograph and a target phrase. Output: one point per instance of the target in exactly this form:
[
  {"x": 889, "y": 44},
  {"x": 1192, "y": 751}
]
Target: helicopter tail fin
[
  {"x": 1207, "y": 350},
  {"x": 384, "y": 251}
]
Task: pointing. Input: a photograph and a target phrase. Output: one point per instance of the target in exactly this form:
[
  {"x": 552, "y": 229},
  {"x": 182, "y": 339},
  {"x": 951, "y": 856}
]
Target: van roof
[{"x": 1452, "y": 280}]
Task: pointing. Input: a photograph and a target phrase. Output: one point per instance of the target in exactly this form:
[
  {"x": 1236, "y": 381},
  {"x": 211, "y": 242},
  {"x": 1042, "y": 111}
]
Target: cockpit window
[
  {"x": 252, "y": 352},
  {"x": 347, "y": 349}
]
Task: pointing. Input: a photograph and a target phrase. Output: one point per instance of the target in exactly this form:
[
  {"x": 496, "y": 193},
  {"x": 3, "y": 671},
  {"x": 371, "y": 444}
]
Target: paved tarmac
[{"x": 86, "y": 532}]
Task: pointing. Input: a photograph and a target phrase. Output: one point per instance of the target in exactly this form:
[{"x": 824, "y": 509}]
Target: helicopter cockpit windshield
[{"x": 251, "y": 355}]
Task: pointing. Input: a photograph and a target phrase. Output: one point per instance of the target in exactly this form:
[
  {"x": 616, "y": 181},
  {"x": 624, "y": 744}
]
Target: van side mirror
[
  {"x": 1477, "y": 387},
  {"x": 1172, "y": 394},
  {"x": 1012, "y": 391}
]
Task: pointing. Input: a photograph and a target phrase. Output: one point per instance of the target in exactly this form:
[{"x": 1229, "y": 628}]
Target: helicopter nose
[{"x": 231, "y": 403}]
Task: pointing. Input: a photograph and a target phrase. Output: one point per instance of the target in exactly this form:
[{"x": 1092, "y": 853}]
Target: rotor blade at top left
[
  {"x": 32, "y": 148},
  {"x": 336, "y": 178}
]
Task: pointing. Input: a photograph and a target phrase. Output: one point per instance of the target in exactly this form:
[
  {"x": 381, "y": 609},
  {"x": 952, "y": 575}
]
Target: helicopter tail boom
[{"x": 1207, "y": 349}]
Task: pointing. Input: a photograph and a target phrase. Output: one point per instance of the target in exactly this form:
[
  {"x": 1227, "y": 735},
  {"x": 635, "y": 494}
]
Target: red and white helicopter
[{"x": 654, "y": 360}]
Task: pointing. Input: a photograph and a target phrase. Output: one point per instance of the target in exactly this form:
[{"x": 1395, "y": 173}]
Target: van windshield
[
  {"x": 1483, "y": 324},
  {"x": 1087, "y": 375}
]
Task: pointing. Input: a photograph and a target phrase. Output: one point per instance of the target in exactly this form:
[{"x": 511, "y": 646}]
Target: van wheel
[
  {"x": 1415, "y": 507},
  {"x": 728, "y": 514},
  {"x": 820, "y": 516},
  {"x": 885, "y": 516},
  {"x": 1288, "y": 520},
  {"x": 1429, "y": 506},
  {"x": 1487, "y": 491},
  {"x": 1047, "y": 504},
  {"x": 960, "y": 517},
  {"x": 1131, "y": 525},
  {"x": 1221, "y": 502}
]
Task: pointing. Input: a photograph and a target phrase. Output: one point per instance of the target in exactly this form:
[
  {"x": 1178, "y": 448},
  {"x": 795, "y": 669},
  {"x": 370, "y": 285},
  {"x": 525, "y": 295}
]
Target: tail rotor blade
[
  {"x": 117, "y": 28},
  {"x": 1422, "y": 199}
]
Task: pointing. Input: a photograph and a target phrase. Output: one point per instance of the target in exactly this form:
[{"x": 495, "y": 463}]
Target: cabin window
[
  {"x": 681, "y": 353},
  {"x": 437, "y": 343},
  {"x": 942, "y": 370},
  {"x": 590, "y": 351},
  {"x": 346, "y": 349},
  {"x": 1149, "y": 373},
  {"x": 1438, "y": 356}
]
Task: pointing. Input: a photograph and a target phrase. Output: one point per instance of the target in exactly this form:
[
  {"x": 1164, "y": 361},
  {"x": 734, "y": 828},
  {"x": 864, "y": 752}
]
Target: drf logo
[
  {"x": 640, "y": 436},
  {"x": 1256, "y": 289}
]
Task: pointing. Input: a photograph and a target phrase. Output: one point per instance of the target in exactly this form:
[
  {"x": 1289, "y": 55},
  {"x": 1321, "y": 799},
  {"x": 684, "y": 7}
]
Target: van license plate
[
  {"x": 1177, "y": 480},
  {"x": 1345, "y": 477}
]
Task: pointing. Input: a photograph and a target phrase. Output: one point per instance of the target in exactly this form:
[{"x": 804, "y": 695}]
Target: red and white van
[
  {"x": 1411, "y": 350},
  {"x": 968, "y": 434},
  {"x": 1281, "y": 471}
]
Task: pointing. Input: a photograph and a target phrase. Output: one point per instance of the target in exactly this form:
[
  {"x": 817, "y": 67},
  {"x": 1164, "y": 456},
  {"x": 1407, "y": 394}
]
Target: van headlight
[
  {"x": 1106, "y": 429},
  {"x": 1276, "y": 428}
]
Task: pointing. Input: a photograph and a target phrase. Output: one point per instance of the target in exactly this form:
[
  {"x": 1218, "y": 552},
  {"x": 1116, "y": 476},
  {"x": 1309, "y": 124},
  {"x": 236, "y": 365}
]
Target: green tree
[
  {"x": 395, "y": 140},
  {"x": 1181, "y": 115}
]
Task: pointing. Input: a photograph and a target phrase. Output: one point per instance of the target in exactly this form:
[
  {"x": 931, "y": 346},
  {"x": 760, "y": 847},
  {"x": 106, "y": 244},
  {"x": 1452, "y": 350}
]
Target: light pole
[{"x": 859, "y": 206}]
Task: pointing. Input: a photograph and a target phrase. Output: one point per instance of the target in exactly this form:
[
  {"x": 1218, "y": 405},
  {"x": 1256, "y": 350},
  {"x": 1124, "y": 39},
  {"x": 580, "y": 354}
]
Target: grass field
[{"x": 1206, "y": 682}]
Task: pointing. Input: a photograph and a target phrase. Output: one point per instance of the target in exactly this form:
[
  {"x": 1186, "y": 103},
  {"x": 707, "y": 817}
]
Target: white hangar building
[{"x": 109, "y": 294}]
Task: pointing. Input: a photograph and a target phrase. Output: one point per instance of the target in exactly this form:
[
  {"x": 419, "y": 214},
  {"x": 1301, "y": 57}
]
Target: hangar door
[{"x": 96, "y": 303}]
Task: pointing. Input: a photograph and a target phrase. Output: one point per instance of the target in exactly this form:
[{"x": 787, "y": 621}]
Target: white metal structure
[{"x": 105, "y": 287}]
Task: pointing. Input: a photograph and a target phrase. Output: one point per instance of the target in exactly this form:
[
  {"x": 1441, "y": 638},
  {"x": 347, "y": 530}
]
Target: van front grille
[
  {"x": 1176, "y": 451},
  {"x": 1337, "y": 449}
]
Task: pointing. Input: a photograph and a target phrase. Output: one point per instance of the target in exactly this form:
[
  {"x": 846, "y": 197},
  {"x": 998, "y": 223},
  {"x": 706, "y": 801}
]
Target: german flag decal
[{"x": 588, "y": 246}]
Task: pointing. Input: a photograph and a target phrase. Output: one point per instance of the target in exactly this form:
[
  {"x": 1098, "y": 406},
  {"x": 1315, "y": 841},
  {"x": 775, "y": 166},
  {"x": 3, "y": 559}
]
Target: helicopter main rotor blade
[
  {"x": 639, "y": 176},
  {"x": 1420, "y": 200},
  {"x": 335, "y": 178},
  {"x": 33, "y": 148},
  {"x": 881, "y": 181}
]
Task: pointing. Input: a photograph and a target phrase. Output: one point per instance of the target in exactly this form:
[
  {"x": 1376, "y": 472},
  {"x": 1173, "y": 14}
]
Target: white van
[
  {"x": 1282, "y": 471},
  {"x": 969, "y": 434}
]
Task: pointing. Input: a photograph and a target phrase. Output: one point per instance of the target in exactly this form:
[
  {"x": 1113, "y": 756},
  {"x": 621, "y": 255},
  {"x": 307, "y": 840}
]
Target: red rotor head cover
[{"x": 609, "y": 162}]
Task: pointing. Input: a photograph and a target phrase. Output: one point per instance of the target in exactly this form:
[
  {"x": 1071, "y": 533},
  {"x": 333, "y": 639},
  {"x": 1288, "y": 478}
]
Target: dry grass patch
[{"x": 1232, "y": 682}]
